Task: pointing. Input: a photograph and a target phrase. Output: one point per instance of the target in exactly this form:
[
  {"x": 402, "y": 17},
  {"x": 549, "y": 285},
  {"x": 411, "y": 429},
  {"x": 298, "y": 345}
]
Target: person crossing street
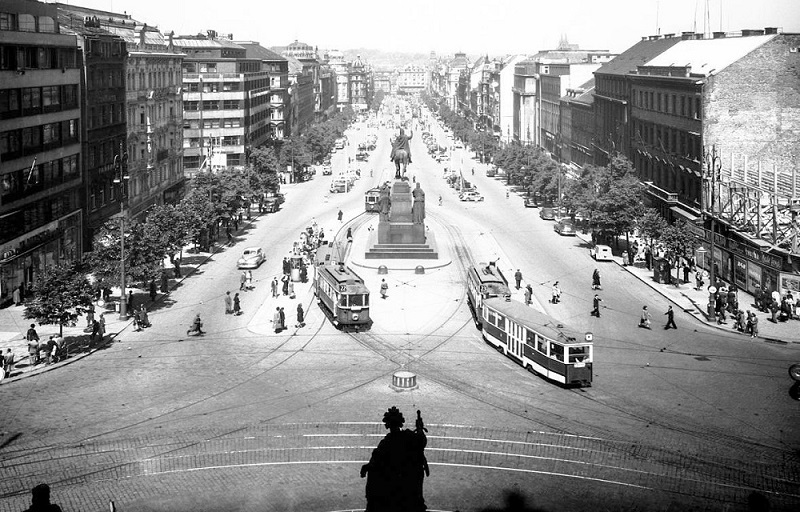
[
  {"x": 670, "y": 319},
  {"x": 518, "y": 278},
  {"x": 596, "y": 302},
  {"x": 644, "y": 321},
  {"x": 596, "y": 279}
]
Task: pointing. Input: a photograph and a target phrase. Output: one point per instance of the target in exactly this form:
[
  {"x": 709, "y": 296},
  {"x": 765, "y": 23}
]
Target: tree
[
  {"x": 650, "y": 226},
  {"x": 677, "y": 240},
  {"x": 60, "y": 295},
  {"x": 295, "y": 153},
  {"x": 168, "y": 225},
  {"x": 143, "y": 254}
]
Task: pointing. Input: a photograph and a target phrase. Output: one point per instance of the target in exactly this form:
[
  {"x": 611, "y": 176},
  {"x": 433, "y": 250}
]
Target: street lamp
[{"x": 121, "y": 169}]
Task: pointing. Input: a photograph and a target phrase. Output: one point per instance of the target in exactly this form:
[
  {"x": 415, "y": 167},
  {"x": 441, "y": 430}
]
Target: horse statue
[{"x": 400, "y": 160}]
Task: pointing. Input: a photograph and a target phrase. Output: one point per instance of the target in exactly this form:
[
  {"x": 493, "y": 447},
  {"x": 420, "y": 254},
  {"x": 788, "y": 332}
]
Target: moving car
[
  {"x": 252, "y": 257},
  {"x": 601, "y": 253},
  {"x": 326, "y": 170},
  {"x": 471, "y": 196},
  {"x": 547, "y": 214},
  {"x": 564, "y": 227},
  {"x": 531, "y": 203}
]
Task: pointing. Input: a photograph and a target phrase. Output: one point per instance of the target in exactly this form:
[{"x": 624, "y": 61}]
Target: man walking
[
  {"x": 644, "y": 321},
  {"x": 528, "y": 294},
  {"x": 384, "y": 288},
  {"x": 274, "y": 287},
  {"x": 300, "y": 315},
  {"x": 242, "y": 280},
  {"x": 670, "y": 319},
  {"x": 596, "y": 302},
  {"x": 518, "y": 278},
  {"x": 340, "y": 215},
  {"x": 556, "y": 293}
]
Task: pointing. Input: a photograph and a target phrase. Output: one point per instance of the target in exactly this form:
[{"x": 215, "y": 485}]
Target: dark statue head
[{"x": 393, "y": 418}]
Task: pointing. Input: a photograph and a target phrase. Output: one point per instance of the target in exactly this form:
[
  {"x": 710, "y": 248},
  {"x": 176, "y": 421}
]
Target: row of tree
[{"x": 482, "y": 142}]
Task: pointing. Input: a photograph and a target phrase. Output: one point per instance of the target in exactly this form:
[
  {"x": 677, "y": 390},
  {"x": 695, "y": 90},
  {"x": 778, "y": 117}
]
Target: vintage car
[{"x": 252, "y": 257}]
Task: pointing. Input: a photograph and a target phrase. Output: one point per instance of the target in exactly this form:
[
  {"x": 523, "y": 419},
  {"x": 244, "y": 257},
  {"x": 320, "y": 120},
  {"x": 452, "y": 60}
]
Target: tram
[
  {"x": 372, "y": 200},
  {"x": 342, "y": 294},
  {"x": 538, "y": 342},
  {"x": 485, "y": 281}
]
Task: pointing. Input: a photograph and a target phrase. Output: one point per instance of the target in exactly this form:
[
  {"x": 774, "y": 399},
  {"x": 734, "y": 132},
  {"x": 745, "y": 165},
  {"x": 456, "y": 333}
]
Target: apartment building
[{"x": 41, "y": 184}]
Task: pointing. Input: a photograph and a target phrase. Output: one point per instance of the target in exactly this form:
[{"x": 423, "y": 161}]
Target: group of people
[
  {"x": 279, "y": 318},
  {"x": 48, "y": 352},
  {"x": 782, "y": 308}
]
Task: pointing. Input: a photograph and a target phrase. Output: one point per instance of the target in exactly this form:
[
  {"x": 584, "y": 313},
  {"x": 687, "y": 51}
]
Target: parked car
[
  {"x": 547, "y": 213},
  {"x": 564, "y": 227},
  {"x": 601, "y": 253},
  {"x": 491, "y": 172},
  {"x": 326, "y": 170},
  {"x": 531, "y": 203},
  {"x": 252, "y": 257}
]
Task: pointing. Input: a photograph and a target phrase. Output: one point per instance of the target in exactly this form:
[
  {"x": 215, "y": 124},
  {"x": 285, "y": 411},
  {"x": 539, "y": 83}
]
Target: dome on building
[
  {"x": 301, "y": 50},
  {"x": 358, "y": 63}
]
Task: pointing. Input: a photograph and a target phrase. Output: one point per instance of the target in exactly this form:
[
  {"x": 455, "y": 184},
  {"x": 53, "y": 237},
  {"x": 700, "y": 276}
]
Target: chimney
[
  {"x": 687, "y": 35},
  {"x": 771, "y": 30},
  {"x": 719, "y": 35},
  {"x": 669, "y": 36}
]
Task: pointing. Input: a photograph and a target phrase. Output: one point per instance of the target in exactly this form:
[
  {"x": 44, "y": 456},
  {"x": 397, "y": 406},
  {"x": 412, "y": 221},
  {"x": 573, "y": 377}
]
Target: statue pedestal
[{"x": 398, "y": 236}]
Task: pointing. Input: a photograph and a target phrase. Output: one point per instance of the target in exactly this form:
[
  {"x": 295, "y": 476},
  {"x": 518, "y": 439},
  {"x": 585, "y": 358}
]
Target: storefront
[{"x": 23, "y": 260}]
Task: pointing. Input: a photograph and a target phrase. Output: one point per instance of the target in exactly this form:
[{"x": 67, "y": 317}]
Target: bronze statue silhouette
[
  {"x": 401, "y": 154},
  {"x": 418, "y": 209},
  {"x": 384, "y": 202},
  {"x": 397, "y": 468}
]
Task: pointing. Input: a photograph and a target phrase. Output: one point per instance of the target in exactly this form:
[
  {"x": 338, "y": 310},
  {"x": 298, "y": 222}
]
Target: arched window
[
  {"x": 27, "y": 23},
  {"x": 46, "y": 24}
]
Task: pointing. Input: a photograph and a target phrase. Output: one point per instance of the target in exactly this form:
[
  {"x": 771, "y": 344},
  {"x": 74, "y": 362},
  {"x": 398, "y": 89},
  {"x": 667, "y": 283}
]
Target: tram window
[
  {"x": 356, "y": 300},
  {"x": 530, "y": 338},
  {"x": 491, "y": 317},
  {"x": 578, "y": 354},
  {"x": 343, "y": 300},
  {"x": 557, "y": 352},
  {"x": 541, "y": 345},
  {"x": 501, "y": 322}
]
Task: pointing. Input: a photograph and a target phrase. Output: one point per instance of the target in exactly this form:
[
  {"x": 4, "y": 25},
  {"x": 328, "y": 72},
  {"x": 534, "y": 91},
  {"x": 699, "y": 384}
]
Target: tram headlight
[{"x": 355, "y": 317}]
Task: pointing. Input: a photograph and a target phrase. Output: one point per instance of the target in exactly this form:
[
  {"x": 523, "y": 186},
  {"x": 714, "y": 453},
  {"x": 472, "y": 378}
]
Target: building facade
[
  {"x": 412, "y": 79},
  {"x": 225, "y": 110},
  {"x": 273, "y": 120},
  {"x": 41, "y": 184},
  {"x": 104, "y": 132}
]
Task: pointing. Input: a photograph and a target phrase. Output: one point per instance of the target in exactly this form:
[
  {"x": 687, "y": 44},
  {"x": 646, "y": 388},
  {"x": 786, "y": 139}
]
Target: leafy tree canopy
[{"x": 60, "y": 295}]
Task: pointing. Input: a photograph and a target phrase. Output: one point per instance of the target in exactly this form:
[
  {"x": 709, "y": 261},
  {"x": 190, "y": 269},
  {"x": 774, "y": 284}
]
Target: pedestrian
[
  {"x": 59, "y": 348},
  {"x": 228, "y": 303},
  {"x": 16, "y": 296},
  {"x": 698, "y": 277},
  {"x": 137, "y": 321},
  {"x": 670, "y": 319},
  {"x": 596, "y": 279},
  {"x": 754, "y": 326},
  {"x": 340, "y": 215},
  {"x": 95, "y": 332},
  {"x": 237, "y": 309},
  {"x": 130, "y": 301},
  {"x": 300, "y": 316},
  {"x": 773, "y": 308},
  {"x": 102, "y": 322},
  {"x": 528, "y": 294},
  {"x": 644, "y": 320},
  {"x": 177, "y": 269},
  {"x": 40, "y": 500},
  {"x": 648, "y": 257},
  {"x": 33, "y": 345},
  {"x": 164, "y": 282},
  {"x": 285, "y": 280},
  {"x": 303, "y": 274},
  {"x": 596, "y": 302},
  {"x": 555, "y": 293},
  {"x": 143, "y": 317},
  {"x": 90, "y": 315},
  {"x": 153, "y": 290},
  {"x": 290, "y": 289},
  {"x": 283, "y": 318},
  {"x": 48, "y": 350},
  {"x": 274, "y": 287},
  {"x": 686, "y": 270},
  {"x": 276, "y": 320},
  {"x": 287, "y": 267},
  {"x": 229, "y": 235},
  {"x": 8, "y": 363},
  {"x": 349, "y": 236},
  {"x": 738, "y": 322},
  {"x": 249, "y": 280},
  {"x": 384, "y": 288},
  {"x": 242, "y": 280},
  {"x": 518, "y": 278}
]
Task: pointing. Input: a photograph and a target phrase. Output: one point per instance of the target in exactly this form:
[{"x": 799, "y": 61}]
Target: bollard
[
  {"x": 419, "y": 270},
  {"x": 383, "y": 270},
  {"x": 404, "y": 381}
]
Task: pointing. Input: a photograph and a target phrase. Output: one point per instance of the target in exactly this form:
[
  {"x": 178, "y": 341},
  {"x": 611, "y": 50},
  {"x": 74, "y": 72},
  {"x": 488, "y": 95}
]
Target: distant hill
[{"x": 383, "y": 60}]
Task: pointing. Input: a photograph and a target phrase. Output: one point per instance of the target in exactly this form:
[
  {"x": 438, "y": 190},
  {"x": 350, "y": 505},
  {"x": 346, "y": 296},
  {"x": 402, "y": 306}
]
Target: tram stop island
[{"x": 401, "y": 230}]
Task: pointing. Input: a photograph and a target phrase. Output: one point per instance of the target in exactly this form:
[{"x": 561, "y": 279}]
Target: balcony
[{"x": 670, "y": 198}]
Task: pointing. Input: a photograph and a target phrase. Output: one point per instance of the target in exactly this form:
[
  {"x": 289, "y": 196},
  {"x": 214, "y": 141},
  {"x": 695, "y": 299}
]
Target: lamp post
[
  {"x": 121, "y": 168},
  {"x": 713, "y": 167}
]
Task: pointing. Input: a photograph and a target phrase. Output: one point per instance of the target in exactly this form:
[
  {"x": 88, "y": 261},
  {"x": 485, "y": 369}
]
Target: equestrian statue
[{"x": 401, "y": 154}]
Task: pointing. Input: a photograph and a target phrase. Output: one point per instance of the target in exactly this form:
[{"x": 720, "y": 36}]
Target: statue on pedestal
[
  {"x": 385, "y": 203},
  {"x": 397, "y": 467},
  {"x": 418, "y": 209}
]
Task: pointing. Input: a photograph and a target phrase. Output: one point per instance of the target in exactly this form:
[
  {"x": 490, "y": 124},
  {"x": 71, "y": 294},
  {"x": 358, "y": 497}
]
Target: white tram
[
  {"x": 485, "y": 281},
  {"x": 538, "y": 342},
  {"x": 343, "y": 294}
]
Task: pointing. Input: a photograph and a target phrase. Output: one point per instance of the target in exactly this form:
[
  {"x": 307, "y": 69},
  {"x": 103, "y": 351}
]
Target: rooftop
[
  {"x": 705, "y": 57},
  {"x": 256, "y": 51}
]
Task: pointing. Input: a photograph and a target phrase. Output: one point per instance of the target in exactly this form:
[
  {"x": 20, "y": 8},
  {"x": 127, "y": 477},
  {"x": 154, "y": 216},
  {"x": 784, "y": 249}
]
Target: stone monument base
[{"x": 406, "y": 251}]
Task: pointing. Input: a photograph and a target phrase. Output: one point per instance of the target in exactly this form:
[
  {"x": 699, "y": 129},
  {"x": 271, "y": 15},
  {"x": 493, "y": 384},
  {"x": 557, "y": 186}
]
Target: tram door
[{"x": 515, "y": 339}]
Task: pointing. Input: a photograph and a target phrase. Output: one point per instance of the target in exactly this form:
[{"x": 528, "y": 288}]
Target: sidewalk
[
  {"x": 694, "y": 302},
  {"x": 13, "y": 325}
]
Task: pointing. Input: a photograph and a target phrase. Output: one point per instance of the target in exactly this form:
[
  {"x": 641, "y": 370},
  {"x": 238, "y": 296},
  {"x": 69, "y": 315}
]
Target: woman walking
[{"x": 237, "y": 310}]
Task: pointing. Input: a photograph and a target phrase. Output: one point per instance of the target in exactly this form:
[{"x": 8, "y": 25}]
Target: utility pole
[{"x": 713, "y": 167}]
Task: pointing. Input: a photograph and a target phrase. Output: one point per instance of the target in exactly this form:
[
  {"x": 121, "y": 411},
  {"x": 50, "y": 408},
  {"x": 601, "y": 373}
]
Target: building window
[
  {"x": 46, "y": 24},
  {"x": 8, "y": 21},
  {"x": 9, "y": 103},
  {"x": 697, "y": 111},
  {"x": 27, "y": 23}
]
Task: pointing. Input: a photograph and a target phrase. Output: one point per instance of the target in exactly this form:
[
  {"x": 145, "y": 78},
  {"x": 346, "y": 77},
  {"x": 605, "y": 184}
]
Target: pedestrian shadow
[{"x": 514, "y": 502}]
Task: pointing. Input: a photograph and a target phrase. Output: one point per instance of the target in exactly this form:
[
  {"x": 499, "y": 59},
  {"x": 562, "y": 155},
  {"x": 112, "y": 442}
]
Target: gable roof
[
  {"x": 637, "y": 55},
  {"x": 708, "y": 56}
]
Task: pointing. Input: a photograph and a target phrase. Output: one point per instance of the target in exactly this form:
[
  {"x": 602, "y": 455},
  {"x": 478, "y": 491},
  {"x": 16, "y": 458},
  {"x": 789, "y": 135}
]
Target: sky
[{"x": 493, "y": 27}]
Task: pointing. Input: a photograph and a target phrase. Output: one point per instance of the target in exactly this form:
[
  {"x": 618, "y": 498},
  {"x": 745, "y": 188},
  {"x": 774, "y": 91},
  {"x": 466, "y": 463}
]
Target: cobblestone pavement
[{"x": 243, "y": 419}]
